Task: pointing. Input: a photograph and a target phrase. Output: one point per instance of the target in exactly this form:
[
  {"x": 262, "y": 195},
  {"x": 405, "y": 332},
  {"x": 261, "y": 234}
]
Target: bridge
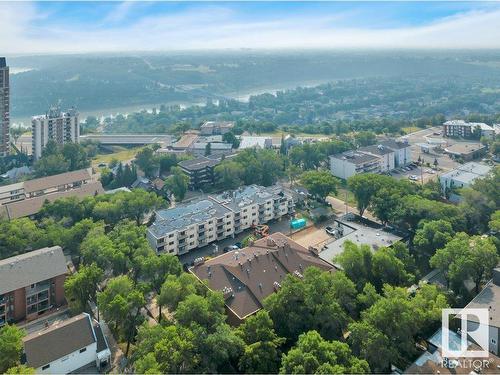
[{"x": 129, "y": 139}]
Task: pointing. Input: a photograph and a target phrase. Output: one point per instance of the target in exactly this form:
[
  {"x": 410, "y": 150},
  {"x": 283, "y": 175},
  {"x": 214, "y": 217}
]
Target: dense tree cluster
[{"x": 59, "y": 159}]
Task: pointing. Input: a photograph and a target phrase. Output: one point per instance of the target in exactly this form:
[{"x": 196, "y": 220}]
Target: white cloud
[{"x": 218, "y": 27}]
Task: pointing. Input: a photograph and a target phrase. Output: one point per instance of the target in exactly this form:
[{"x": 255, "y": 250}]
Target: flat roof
[
  {"x": 468, "y": 172},
  {"x": 59, "y": 340},
  {"x": 461, "y": 148},
  {"x": 32, "y": 267},
  {"x": 252, "y": 141},
  {"x": 378, "y": 149},
  {"x": 482, "y": 125},
  {"x": 359, "y": 234},
  {"x": 186, "y": 140},
  {"x": 217, "y": 124},
  {"x": 249, "y": 275},
  {"x": 355, "y": 157}
]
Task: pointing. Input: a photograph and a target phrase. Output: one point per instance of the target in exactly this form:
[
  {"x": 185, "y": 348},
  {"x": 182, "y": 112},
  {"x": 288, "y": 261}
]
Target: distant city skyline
[{"x": 72, "y": 27}]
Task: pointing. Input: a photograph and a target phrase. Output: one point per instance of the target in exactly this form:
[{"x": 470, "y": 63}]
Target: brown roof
[
  {"x": 252, "y": 272},
  {"x": 59, "y": 340},
  {"x": 56, "y": 180},
  {"x": 32, "y": 206},
  {"x": 185, "y": 141}
]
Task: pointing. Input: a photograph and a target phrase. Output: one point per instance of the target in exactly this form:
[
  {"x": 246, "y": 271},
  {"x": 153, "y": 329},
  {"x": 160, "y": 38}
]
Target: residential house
[
  {"x": 73, "y": 345},
  {"x": 32, "y": 284},
  {"x": 247, "y": 276}
]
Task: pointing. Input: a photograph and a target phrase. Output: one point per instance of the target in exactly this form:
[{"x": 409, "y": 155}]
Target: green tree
[
  {"x": 364, "y": 186},
  {"x": 465, "y": 257},
  {"x": 176, "y": 289},
  {"x": 76, "y": 156},
  {"x": 177, "y": 183},
  {"x": 227, "y": 175},
  {"x": 207, "y": 312},
  {"x": 365, "y": 138},
  {"x": 314, "y": 355},
  {"x": 319, "y": 183},
  {"x": 81, "y": 287},
  {"x": 147, "y": 161},
  {"x": 208, "y": 149},
  {"x": 11, "y": 346},
  {"x": 21, "y": 369},
  {"x": 433, "y": 235},
  {"x": 121, "y": 304},
  {"x": 229, "y": 137},
  {"x": 50, "y": 165}
]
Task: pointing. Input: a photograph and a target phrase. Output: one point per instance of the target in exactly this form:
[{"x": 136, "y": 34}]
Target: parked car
[
  {"x": 413, "y": 177},
  {"x": 330, "y": 230}
]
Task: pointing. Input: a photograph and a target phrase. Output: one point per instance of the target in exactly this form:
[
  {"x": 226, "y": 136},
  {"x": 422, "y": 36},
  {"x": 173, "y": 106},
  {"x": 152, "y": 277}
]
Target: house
[
  {"x": 142, "y": 183},
  {"x": 463, "y": 129},
  {"x": 380, "y": 158},
  {"x": 462, "y": 177},
  {"x": 200, "y": 171},
  {"x": 216, "y": 127},
  {"x": 70, "y": 346},
  {"x": 247, "y": 276},
  {"x": 488, "y": 298},
  {"x": 27, "y": 198},
  {"x": 32, "y": 284},
  {"x": 191, "y": 225},
  {"x": 432, "y": 360}
]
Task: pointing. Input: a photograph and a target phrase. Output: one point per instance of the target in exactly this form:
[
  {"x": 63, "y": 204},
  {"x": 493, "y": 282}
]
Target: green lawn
[{"x": 121, "y": 154}]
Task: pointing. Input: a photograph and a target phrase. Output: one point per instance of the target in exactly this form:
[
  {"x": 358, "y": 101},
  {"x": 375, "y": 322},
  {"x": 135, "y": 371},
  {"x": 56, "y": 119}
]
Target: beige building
[
  {"x": 4, "y": 108},
  {"x": 61, "y": 127}
]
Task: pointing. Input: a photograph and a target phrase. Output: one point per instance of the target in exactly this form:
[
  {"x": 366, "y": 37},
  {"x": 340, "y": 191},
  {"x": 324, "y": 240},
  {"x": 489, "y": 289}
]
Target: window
[
  {"x": 45, "y": 367},
  {"x": 493, "y": 341},
  {"x": 83, "y": 350}
]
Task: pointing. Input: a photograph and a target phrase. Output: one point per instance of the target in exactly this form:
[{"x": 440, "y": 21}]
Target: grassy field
[
  {"x": 411, "y": 129},
  {"x": 121, "y": 154}
]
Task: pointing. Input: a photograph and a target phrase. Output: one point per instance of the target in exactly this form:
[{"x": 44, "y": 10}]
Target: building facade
[
  {"x": 32, "y": 284},
  {"x": 4, "y": 108},
  {"x": 188, "y": 226},
  {"x": 461, "y": 177},
  {"x": 463, "y": 129},
  {"x": 216, "y": 127},
  {"x": 60, "y": 127}
]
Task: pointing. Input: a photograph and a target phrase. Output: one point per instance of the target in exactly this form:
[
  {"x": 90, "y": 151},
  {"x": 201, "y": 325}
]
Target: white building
[
  {"x": 462, "y": 177},
  {"x": 61, "y": 127},
  {"x": 65, "y": 347},
  {"x": 188, "y": 226},
  {"x": 380, "y": 158}
]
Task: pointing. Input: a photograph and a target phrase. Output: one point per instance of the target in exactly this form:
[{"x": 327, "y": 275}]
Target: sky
[{"x": 75, "y": 27}]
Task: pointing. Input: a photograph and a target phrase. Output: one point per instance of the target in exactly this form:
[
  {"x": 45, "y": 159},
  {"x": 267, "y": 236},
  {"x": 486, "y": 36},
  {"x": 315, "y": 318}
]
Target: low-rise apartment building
[
  {"x": 200, "y": 171},
  {"x": 385, "y": 156},
  {"x": 463, "y": 129},
  {"x": 32, "y": 284},
  {"x": 188, "y": 226},
  {"x": 27, "y": 198},
  {"x": 462, "y": 177},
  {"x": 74, "y": 344}
]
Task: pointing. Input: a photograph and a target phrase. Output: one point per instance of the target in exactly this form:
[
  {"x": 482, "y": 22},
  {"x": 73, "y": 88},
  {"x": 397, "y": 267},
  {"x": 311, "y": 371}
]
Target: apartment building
[
  {"x": 200, "y": 171},
  {"x": 4, "y": 108},
  {"x": 32, "y": 284},
  {"x": 76, "y": 343},
  {"x": 188, "y": 226},
  {"x": 462, "y": 177},
  {"x": 216, "y": 127},
  {"x": 247, "y": 276},
  {"x": 27, "y": 198},
  {"x": 463, "y": 129},
  {"x": 385, "y": 156},
  {"x": 55, "y": 125}
]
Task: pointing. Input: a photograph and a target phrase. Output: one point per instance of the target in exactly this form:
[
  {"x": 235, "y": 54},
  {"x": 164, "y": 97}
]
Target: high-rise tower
[{"x": 4, "y": 108}]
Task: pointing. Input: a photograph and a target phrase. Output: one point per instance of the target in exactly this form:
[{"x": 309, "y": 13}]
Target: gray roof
[
  {"x": 393, "y": 144},
  {"x": 355, "y": 157},
  {"x": 56, "y": 180},
  {"x": 59, "y": 340},
  {"x": 468, "y": 172},
  {"x": 198, "y": 163},
  {"x": 377, "y": 149},
  {"x": 247, "y": 195},
  {"x": 30, "y": 268},
  {"x": 184, "y": 215},
  {"x": 488, "y": 298},
  {"x": 213, "y": 145}
]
